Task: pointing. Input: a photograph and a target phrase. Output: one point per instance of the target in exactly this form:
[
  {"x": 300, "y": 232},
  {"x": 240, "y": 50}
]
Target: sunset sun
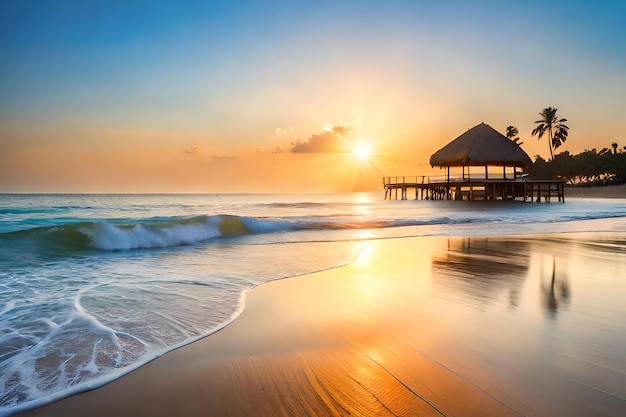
[{"x": 362, "y": 151}]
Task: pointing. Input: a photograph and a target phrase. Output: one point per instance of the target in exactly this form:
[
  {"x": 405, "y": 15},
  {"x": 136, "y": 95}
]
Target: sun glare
[{"x": 362, "y": 151}]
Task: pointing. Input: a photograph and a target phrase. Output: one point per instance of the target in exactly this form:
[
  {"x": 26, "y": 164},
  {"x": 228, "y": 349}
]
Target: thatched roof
[{"x": 480, "y": 145}]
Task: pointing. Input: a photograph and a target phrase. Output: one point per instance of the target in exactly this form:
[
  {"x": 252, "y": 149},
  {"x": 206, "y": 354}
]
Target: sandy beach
[
  {"x": 433, "y": 326},
  {"x": 312, "y": 208},
  {"x": 609, "y": 191}
]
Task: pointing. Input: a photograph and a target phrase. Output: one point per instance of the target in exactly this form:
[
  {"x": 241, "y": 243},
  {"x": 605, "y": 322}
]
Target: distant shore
[
  {"x": 602, "y": 191},
  {"x": 416, "y": 326}
]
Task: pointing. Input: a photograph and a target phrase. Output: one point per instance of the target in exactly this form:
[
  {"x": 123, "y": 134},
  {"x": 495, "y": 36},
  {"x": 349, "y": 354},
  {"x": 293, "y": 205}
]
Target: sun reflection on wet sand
[
  {"x": 501, "y": 326},
  {"x": 561, "y": 343}
]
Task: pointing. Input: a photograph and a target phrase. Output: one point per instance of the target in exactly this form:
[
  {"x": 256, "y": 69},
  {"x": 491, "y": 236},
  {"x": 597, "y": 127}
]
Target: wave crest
[
  {"x": 147, "y": 233},
  {"x": 113, "y": 237},
  {"x": 174, "y": 232}
]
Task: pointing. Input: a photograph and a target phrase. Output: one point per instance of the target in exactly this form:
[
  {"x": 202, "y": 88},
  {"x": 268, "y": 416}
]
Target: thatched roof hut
[{"x": 481, "y": 145}]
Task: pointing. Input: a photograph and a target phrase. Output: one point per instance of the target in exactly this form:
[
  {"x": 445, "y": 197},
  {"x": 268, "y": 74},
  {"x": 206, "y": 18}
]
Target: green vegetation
[
  {"x": 591, "y": 167},
  {"x": 587, "y": 168},
  {"x": 511, "y": 133},
  {"x": 555, "y": 128}
]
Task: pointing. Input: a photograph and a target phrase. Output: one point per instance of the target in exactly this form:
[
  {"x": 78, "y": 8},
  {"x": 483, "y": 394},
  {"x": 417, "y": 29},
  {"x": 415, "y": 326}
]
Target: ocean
[{"x": 94, "y": 286}]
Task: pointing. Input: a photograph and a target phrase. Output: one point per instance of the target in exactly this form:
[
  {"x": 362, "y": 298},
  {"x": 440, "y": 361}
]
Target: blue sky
[{"x": 118, "y": 79}]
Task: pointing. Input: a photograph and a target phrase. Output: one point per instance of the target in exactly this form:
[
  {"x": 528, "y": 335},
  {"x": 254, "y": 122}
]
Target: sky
[{"x": 277, "y": 96}]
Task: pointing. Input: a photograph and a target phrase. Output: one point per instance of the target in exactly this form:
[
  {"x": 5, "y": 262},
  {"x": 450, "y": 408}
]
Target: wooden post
[
  {"x": 525, "y": 191},
  {"x": 538, "y": 195},
  {"x": 448, "y": 185}
]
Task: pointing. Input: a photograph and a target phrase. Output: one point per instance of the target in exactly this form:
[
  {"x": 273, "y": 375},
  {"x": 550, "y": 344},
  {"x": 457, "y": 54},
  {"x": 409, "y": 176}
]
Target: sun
[{"x": 362, "y": 151}]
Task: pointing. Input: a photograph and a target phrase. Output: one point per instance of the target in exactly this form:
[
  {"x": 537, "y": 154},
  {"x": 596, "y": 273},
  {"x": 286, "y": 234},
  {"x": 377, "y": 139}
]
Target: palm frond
[{"x": 539, "y": 130}]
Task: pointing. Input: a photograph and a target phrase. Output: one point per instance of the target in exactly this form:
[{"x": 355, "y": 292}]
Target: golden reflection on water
[
  {"x": 380, "y": 273},
  {"x": 363, "y": 235},
  {"x": 538, "y": 275},
  {"x": 539, "y": 318},
  {"x": 541, "y": 313},
  {"x": 537, "y": 322}
]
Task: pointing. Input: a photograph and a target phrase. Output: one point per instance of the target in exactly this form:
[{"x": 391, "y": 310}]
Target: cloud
[
  {"x": 280, "y": 131},
  {"x": 330, "y": 141},
  {"x": 261, "y": 150},
  {"x": 223, "y": 158}
]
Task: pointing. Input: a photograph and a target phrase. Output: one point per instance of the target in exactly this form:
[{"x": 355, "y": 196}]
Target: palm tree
[
  {"x": 551, "y": 124},
  {"x": 614, "y": 146},
  {"x": 511, "y": 133}
]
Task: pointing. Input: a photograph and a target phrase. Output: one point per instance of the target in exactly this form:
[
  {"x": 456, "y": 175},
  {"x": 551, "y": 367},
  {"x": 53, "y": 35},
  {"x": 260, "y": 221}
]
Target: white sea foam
[
  {"x": 76, "y": 319},
  {"x": 264, "y": 226},
  {"x": 108, "y": 236},
  {"x": 9, "y": 305}
]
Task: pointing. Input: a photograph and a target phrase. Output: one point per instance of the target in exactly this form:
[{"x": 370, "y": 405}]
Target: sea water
[{"x": 94, "y": 286}]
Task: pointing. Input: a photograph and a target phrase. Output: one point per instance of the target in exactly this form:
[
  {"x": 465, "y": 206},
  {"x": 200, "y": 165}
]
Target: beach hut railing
[
  {"x": 415, "y": 179},
  {"x": 439, "y": 179}
]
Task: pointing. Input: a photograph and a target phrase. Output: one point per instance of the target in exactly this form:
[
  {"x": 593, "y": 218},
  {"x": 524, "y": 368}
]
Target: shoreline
[
  {"x": 602, "y": 191},
  {"x": 598, "y": 191},
  {"x": 363, "y": 338}
]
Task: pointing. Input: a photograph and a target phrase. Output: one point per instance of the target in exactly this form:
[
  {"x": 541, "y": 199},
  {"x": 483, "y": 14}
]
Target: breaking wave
[{"x": 150, "y": 233}]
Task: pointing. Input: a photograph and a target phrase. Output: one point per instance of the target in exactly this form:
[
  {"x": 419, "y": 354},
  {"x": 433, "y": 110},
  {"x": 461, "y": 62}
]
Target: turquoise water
[{"x": 93, "y": 286}]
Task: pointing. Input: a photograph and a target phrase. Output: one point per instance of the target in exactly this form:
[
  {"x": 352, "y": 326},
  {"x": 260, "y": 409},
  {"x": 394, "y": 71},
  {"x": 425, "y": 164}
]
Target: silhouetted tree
[
  {"x": 511, "y": 133},
  {"x": 590, "y": 167},
  {"x": 615, "y": 165},
  {"x": 555, "y": 128},
  {"x": 540, "y": 169},
  {"x": 565, "y": 166},
  {"x": 614, "y": 146}
]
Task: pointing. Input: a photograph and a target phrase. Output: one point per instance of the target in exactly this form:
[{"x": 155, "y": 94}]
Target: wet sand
[
  {"x": 608, "y": 191},
  {"x": 436, "y": 326}
]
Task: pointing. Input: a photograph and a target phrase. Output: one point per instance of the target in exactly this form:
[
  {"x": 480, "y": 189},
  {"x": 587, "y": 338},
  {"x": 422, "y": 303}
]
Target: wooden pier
[{"x": 471, "y": 189}]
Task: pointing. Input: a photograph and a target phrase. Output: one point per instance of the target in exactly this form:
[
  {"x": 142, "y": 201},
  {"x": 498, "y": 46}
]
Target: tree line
[{"x": 590, "y": 167}]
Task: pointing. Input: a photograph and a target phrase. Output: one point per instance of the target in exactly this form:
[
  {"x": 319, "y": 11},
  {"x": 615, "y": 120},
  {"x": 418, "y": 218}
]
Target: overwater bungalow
[{"x": 491, "y": 168}]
